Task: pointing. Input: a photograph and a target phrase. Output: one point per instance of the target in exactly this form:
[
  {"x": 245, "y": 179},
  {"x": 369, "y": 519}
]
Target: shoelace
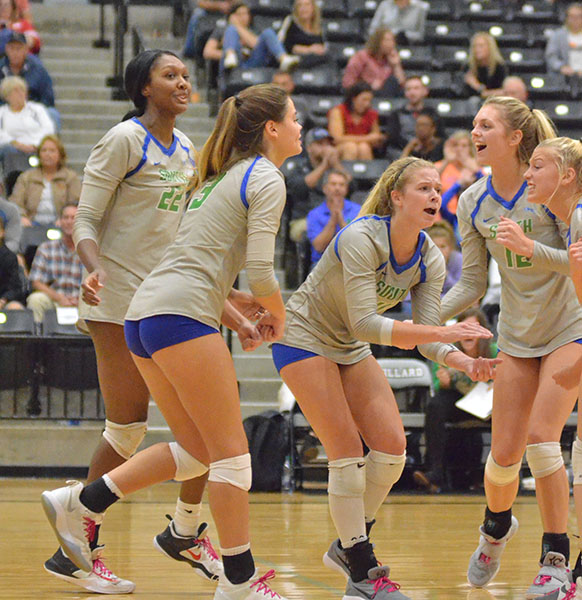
[
  {"x": 384, "y": 583},
  {"x": 207, "y": 545},
  {"x": 90, "y": 527},
  {"x": 102, "y": 571},
  {"x": 542, "y": 579},
  {"x": 571, "y": 593},
  {"x": 262, "y": 586}
]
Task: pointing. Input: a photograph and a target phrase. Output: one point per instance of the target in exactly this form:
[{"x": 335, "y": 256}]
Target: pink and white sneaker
[{"x": 256, "y": 588}]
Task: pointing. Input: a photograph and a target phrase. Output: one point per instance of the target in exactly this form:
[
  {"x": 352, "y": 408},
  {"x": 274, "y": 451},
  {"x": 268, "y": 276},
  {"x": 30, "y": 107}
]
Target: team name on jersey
[
  {"x": 178, "y": 176},
  {"x": 389, "y": 292},
  {"x": 525, "y": 224}
]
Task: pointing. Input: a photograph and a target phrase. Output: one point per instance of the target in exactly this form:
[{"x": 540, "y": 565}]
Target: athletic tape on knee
[
  {"x": 577, "y": 461},
  {"x": 125, "y": 438},
  {"x": 384, "y": 469},
  {"x": 235, "y": 471},
  {"x": 499, "y": 475},
  {"x": 544, "y": 459},
  {"x": 187, "y": 467},
  {"x": 347, "y": 477}
]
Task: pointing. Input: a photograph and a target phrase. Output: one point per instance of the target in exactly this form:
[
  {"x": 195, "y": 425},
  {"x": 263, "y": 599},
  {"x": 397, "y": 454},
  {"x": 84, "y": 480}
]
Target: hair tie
[{"x": 238, "y": 101}]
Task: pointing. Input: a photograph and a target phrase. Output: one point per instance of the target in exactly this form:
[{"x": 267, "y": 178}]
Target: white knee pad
[
  {"x": 235, "y": 470},
  {"x": 187, "y": 467},
  {"x": 347, "y": 477},
  {"x": 544, "y": 459},
  {"x": 577, "y": 460},
  {"x": 384, "y": 469},
  {"x": 499, "y": 475},
  {"x": 125, "y": 438}
]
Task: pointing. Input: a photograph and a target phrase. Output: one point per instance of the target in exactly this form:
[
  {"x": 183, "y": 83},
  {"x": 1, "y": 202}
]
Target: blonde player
[
  {"x": 325, "y": 358},
  {"x": 540, "y": 325},
  {"x": 554, "y": 179},
  {"x": 131, "y": 203},
  {"x": 172, "y": 331}
]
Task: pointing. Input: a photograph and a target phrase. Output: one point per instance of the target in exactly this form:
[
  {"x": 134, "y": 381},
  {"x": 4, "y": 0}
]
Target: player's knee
[
  {"x": 500, "y": 475},
  {"x": 235, "y": 471},
  {"x": 347, "y": 477},
  {"x": 544, "y": 459},
  {"x": 384, "y": 469},
  {"x": 187, "y": 467},
  {"x": 125, "y": 438}
]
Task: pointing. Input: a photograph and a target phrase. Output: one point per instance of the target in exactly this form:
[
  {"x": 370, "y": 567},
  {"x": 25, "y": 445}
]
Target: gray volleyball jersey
[
  {"x": 539, "y": 308},
  {"x": 231, "y": 221},
  {"x": 133, "y": 194},
  {"x": 575, "y": 230},
  {"x": 337, "y": 310}
]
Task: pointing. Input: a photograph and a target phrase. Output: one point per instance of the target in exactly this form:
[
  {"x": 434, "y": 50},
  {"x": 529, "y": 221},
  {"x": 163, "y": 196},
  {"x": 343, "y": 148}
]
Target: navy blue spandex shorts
[
  {"x": 146, "y": 336},
  {"x": 285, "y": 355}
]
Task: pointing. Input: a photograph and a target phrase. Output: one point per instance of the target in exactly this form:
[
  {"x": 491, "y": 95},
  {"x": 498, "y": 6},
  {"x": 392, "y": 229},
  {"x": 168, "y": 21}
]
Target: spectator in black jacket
[{"x": 12, "y": 291}]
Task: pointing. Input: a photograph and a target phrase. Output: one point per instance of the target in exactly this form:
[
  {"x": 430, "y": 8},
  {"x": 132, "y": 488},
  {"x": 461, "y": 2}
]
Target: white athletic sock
[
  {"x": 187, "y": 518},
  {"x": 347, "y": 514}
]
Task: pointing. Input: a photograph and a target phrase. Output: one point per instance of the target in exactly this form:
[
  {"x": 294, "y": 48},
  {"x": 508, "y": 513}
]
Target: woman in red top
[
  {"x": 354, "y": 124},
  {"x": 11, "y": 19}
]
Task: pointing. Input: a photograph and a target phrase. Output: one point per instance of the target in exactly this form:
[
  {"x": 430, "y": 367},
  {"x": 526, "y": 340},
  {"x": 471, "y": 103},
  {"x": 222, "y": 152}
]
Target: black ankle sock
[
  {"x": 369, "y": 525},
  {"x": 360, "y": 559},
  {"x": 577, "y": 570},
  {"x": 97, "y": 496},
  {"x": 497, "y": 524},
  {"x": 239, "y": 568},
  {"x": 555, "y": 542}
]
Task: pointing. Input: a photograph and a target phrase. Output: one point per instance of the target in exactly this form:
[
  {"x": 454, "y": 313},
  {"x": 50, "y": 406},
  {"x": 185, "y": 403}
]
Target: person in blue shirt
[{"x": 325, "y": 220}]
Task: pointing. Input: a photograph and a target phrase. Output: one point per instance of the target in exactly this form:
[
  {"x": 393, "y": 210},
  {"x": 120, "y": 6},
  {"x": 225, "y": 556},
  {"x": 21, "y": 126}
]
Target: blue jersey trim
[
  {"x": 187, "y": 150},
  {"x": 422, "y": 271},
  {"x": 167, "y": 151},
  {"x": 508, "y": 205},
  {"x": 549, "y": 213},
  {"x": 337, "y": 237},
  {"x": 245, "y": 182},
  {"x": 478, "y": 207},
  {"x": 579, "y": 205},
  {"x": 401, "y": 268},
  {"x": 144, "y": 157}
]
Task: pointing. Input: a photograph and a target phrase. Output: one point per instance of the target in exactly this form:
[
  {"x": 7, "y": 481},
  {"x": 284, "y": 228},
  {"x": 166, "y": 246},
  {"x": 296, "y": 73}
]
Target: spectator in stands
[
  {"x": 406, "y": 18},
  {"x": 325, "y": 220},
  {"x": 23, "y": 124},
  {"x": 305, "y": 183},
  {"x": 355, "y": 125},
  {"x": 564, "y": 46},
  {"x": 12, "y": 292},
  {"x": 427, "y": 143},
  {"x": 401, "y": 125},
  {"x": 301, "y": 34},
  {"x": 285, "y": 80},
  {"x": 19, "y": 62},
  {"x": 11, "y": 21},
  {"x": 514, "y": 87},
  {"x": 443, "y": 236},
  {"x": 378, "y": 64},
  {"x": 204, "y": 8},
  {"x": 23, "y": 10},
  {"x": 450, "y": 386},
  {"x": 56, "y": 271},
  {"x": 41, "y": 192},
  {"x": 242, "y": 47},
  {"x": 12, "y": 225},
  {"x": 458, "y": 170},
  {"x": 487, "y": 68}
]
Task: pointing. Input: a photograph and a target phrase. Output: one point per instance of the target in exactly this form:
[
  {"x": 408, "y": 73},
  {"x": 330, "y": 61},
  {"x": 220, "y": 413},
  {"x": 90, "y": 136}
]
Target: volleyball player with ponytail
[
  {"x": 325, "y": 358},
  {"x": 540, "y": 328},
  {"x": 554, "y": 180},
  {"x": 172, "y": 331},
  {"x": 131, "y": 204}
]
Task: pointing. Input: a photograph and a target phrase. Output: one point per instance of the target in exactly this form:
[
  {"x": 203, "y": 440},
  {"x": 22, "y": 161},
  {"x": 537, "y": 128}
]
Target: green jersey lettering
[{"x": 201, "y": 196}]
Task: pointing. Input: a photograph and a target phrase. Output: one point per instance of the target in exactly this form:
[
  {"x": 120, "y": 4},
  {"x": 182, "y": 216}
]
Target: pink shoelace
[
  {"x": 384, "y": 583},
  {"x": 484, "y": 558},
  {"x": 90, "y": 528},
  {"x": 262, "y": 586},
  {"x": 571, "y": 593},
  {"x": 207, "y": 545},
  {"x": 542, "y": 579},
  {"x": 102, "y": 571}
]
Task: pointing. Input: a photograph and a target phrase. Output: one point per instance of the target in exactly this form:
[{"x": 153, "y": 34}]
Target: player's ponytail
[{"x": 238, "y": 130}]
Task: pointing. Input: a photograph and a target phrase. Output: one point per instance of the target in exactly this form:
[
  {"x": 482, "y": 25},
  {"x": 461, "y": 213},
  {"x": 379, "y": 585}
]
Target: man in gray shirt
[{"x": 405, "y": 18}]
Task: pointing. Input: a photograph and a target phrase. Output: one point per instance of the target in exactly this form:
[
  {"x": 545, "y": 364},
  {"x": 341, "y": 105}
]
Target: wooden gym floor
[{"x": 426, "y": 540}]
